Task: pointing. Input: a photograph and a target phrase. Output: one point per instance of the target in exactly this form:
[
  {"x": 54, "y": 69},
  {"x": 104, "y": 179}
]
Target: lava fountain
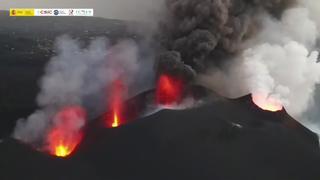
[
  {"x": 115, "y": 122},
  {"x": 66, "y": 133},
  {"x": 116, "y": 100},
  {"x": 267, "y": 103},
  {"x": 169, "y": 90}
]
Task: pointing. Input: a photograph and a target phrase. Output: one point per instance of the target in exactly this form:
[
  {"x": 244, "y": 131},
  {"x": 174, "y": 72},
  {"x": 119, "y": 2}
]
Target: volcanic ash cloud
[{"x": 279, "y": 62}]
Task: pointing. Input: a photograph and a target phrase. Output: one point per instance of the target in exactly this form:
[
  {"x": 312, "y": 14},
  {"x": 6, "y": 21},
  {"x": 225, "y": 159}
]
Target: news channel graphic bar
[{"x": 50, "y": 12}]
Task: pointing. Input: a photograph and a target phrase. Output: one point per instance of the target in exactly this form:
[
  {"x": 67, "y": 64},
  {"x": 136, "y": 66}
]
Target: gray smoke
[
  {"x": 280, "y": 62},
  {"x": 236, "y": 47},
  {"x": 311, "y": 116},
  {"x": 80, "y": 76},
  {"x": 209, "y": 32}
]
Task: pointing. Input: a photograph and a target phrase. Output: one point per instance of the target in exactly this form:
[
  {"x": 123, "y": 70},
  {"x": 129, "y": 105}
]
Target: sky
[{"x": 118, "y": 9}]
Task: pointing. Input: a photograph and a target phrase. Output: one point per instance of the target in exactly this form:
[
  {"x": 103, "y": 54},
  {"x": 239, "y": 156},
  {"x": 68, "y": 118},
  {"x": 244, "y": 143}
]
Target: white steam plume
[
  {"x": 287, "y": 73},
  {"x": 313, "y": 8},
  {"x": 312, "y": 115},
  {"x": 75, "y": 75},
  {"x": 281, "y": 62}
]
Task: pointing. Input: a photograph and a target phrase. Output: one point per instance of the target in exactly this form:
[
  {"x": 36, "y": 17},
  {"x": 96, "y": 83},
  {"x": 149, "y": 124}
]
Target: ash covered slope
[{"x": 222, "y": 139}]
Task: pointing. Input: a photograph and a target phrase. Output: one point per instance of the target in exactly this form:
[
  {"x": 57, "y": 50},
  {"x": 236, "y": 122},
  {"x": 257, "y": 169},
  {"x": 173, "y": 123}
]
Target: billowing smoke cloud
[
  {"x": 79, "y": 76},
  {"x": 209, "y": 32},
  {"x": 279, "y": 62},
  {"x": 311, "y": 116},
  {"x": 313, "y": 8},
  {"x": 287, "y": 73},
  {"x": 268, "y": 48}
]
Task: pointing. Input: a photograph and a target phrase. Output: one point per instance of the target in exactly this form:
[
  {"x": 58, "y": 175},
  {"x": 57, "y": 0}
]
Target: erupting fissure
[
  {"x": 66, "y": 133},
  {"x": 115, "y": 120},
  {"x": 267, "y": 103},
  {"x": 117, "y": 94},
  {"x": 169, "y": 90},
  {"x": 62, "y": 151}
]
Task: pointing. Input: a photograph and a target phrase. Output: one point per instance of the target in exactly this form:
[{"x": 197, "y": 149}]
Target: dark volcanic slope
[{"x": 221, "y": 140}]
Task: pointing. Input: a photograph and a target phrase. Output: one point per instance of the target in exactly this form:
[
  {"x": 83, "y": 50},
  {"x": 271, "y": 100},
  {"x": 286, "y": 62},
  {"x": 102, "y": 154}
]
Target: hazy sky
[{"x": 120, "y": 9}]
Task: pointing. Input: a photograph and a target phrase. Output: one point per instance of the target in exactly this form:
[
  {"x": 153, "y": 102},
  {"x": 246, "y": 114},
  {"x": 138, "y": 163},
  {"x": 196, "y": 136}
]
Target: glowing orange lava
[
  {"x": 62, "y": 151},
  {"x": 116, "y": 99},
  {"x": 169, "y": 90},
  {"x": 267, "y": 103},
  {"x": 66, "y": 133},
  {"x": 115, "y": 120}
]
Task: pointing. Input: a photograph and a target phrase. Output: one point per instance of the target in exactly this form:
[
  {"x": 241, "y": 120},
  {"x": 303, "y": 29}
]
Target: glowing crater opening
[
  {"x": 66, "y": 133},
  {"x": 62, "y": 151},
  {"x": 169, "y": 90},
  {"x": 267, "y": 103}
]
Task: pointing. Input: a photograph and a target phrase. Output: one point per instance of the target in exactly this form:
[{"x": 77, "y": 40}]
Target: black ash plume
[{"x": 202, "y": 33}]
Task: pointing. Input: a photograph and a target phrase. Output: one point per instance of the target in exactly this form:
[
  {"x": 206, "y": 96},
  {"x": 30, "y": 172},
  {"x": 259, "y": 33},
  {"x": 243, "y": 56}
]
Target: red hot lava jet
[
  {"x": 267, "y": 103},
  {"x": 66, "y": 133},
  {"x": 169, "y": 90},
  {"x": 116, "y": 99}
]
